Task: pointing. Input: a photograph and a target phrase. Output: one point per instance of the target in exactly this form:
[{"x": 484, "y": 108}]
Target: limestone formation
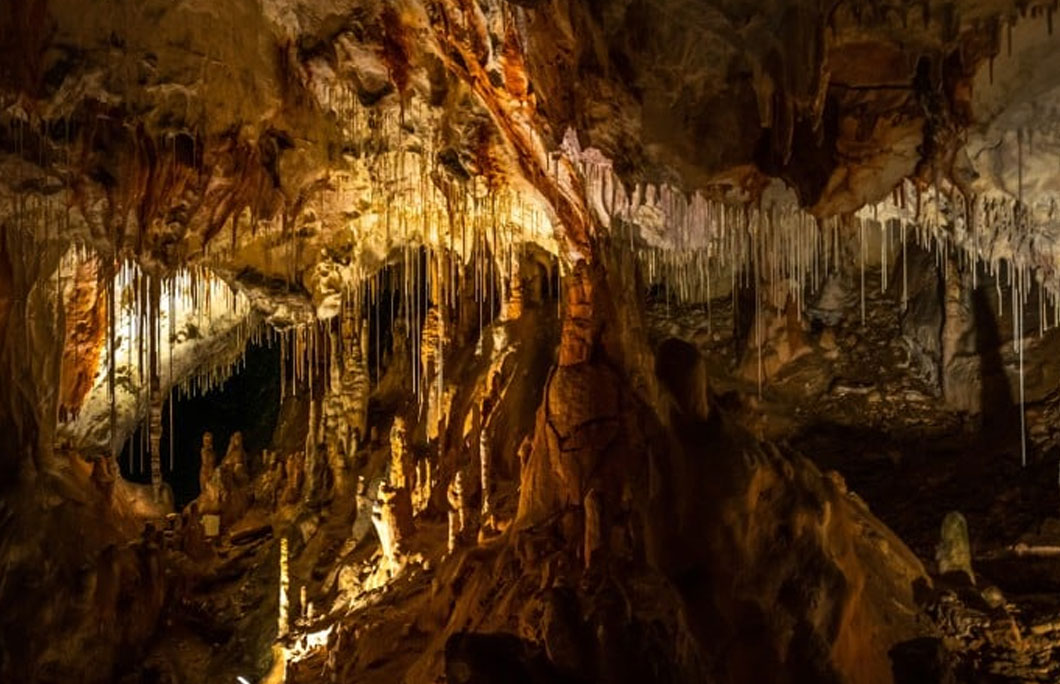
[
  {"x": 210, "y": 484},
  {"x": 512, "y": 307},
  {"x": 340, "y": 470},
  {"x": 294, "y": 468},
  {"x": 345, "y": 405},
  {"x": 953, "y": 553},
  {"x": 235, "y": 492},
  {"x": 423, "y": 487},
  {"x": 315, "y": 455},
  {"x": 392, "y": 518},
  {"x": 283, "y": 608},
  {"x": 235, "y": 463},
  {"x": 401, "y": 467},
  {"x": 269, "y": 485},
  {"x": 457, "y": 510},
  {"x": 486, "y": 471},
  {"x": 661, "y": 276},
  {"x": 961, "y": 374}
]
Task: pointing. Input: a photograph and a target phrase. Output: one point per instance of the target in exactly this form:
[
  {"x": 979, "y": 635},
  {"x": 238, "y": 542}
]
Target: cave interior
[{"x": 529, "y": 341}]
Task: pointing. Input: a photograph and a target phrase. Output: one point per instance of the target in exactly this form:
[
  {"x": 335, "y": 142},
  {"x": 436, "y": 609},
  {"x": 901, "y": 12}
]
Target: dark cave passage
[{"x": 248, "y": 402}]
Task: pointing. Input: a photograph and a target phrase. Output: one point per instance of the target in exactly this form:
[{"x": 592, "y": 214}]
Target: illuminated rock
[
  {"x": 401, "y": 471},
  {"x": 457, "y": 510},
  {"x": 392, "y": 517}
]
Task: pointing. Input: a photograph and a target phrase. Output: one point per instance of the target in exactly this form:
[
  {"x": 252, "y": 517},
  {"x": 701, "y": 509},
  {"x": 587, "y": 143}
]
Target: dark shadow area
[
  {"x": 911, "y": 482},
  {"x": 924, "y": 660},
  {"x": 499, "y": 659},
  {"x": 1000, "y": 416},
  {"x": 248, "y": 402}
]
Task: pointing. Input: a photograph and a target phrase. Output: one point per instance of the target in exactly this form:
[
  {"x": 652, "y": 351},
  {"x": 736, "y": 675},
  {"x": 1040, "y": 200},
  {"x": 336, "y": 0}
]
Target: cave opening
[{"x": 247, "y": 402}]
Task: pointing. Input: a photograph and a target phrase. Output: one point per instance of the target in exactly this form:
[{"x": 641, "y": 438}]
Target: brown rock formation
[
  {"x": 576, "y": 254},
  {"x": 85, "y": 313}
]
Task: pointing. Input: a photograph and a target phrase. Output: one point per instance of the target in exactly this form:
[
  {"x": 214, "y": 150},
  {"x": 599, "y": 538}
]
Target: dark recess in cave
[{"x": 248, "y": 402}]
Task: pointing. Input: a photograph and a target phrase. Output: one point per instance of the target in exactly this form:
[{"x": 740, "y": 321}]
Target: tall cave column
[
  {"x": 580, "y": 393},
  {"x": 584, "y": 437},
  {"x": 336, "y": 423},
  {"x": 235, "y": 480},
  {"x": 345, "y": 403},
  {"x": 400, "y": 458},
  {"x": 392, "y": 513},
  {"x": 392, "y": 518}
]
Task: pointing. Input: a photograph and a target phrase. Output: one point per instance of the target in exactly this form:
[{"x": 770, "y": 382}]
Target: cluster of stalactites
[
  {"x": 152, "y": 324},
  {"x": 686, "y": 244},
  {"x": 416, "y": 295},
  {"x": 390, "y": 191}
]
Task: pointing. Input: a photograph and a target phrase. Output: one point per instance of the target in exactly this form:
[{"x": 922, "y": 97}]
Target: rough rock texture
[{"x": 447, "y": 214}]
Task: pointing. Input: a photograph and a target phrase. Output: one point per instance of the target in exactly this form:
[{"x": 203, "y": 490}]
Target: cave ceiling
[{"x": 167, "y": 129}]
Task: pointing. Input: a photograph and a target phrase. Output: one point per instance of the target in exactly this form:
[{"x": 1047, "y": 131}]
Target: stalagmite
[
  {"x": 236, "y": 460},
  {"x": 392, "y": 518},
  {"x": 953, "y": 553},
  {"x": 235, "y": 481},
  {"x": 457, "y": 509},
  {"x": 421, "y": 492},
  {"x": 282, "y": 621},
  {"x": 210, "y": 487},
  {"x": 400, "y": 456},
  {"x": 512, "y": 307}
]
